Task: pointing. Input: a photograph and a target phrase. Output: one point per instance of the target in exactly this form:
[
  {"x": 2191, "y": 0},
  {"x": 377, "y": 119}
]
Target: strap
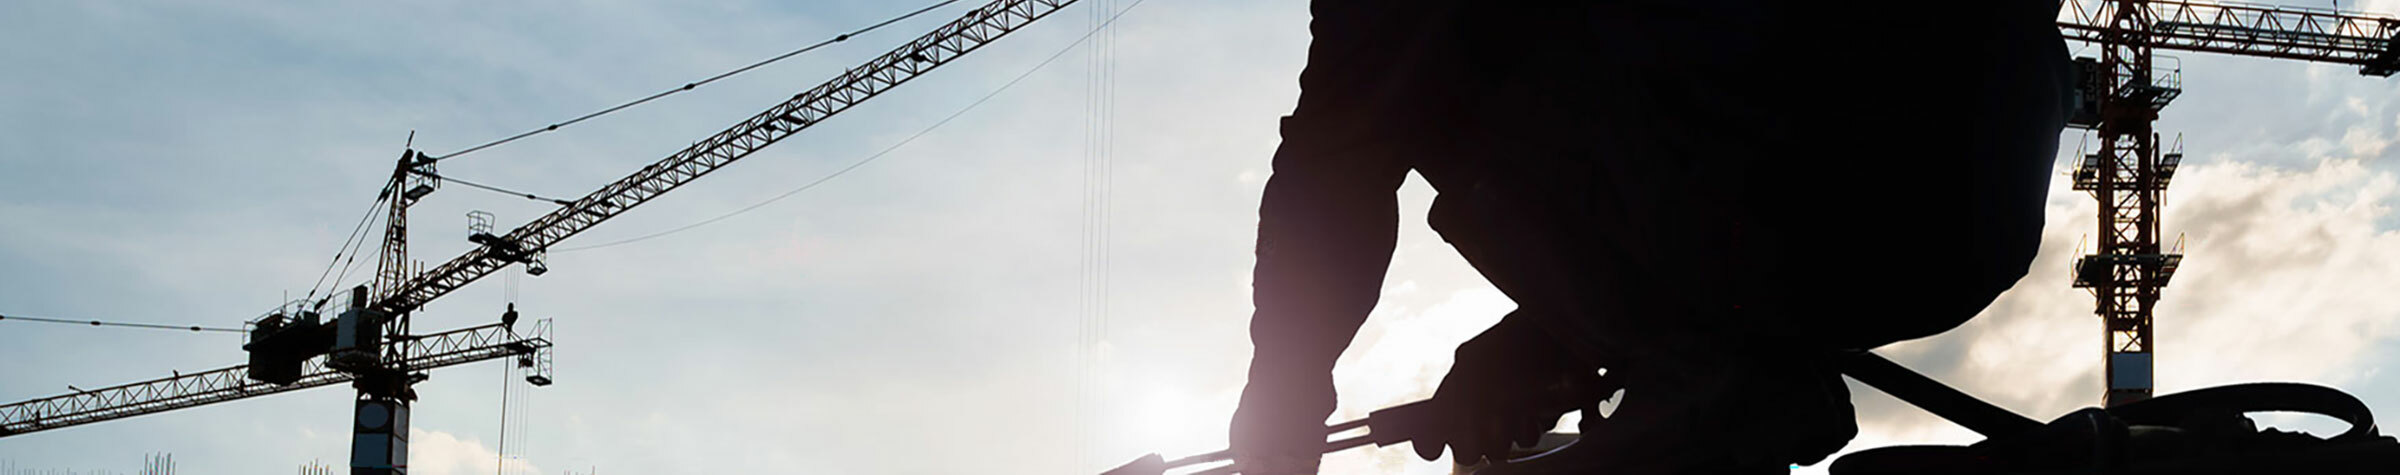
[
  {"x": 2234, "y": 400},
  {"x": 1923, "y": 392}
]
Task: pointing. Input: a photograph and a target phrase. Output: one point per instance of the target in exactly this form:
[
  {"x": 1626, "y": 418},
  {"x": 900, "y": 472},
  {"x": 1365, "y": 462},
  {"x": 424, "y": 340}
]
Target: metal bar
[
  {"x": 1330, "y": 447},
  {"x": 455, "y": 347},
  {"x": 1942, "y": 400},
  {"x": 976, "y": 29}
]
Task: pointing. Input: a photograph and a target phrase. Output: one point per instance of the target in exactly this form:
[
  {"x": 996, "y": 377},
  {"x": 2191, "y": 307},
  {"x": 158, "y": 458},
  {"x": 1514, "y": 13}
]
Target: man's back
[{"x": 1646, "y": 178}]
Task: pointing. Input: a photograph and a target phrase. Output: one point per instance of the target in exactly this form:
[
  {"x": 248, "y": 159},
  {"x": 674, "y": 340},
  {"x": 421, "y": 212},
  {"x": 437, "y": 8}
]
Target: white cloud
[
  {"x": 433, "y": 452},
  {"x": 2288, "y": 276}
]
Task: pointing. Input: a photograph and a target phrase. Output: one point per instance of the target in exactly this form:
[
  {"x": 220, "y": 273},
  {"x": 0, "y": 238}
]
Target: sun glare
[{"x": 1161, "y": 417}]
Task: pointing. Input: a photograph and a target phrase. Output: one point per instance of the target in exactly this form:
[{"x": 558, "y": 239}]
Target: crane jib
[
  {"x": 857, "y": 84},
  {"x": 2369, "y": 41},
  {"x": 184, "y": 390}
]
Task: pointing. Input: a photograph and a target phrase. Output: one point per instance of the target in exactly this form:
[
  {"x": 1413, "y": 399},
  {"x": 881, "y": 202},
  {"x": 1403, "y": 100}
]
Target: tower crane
[
  {"x": 2121, "y": 93},
  {"x": 369, "y": 343}
]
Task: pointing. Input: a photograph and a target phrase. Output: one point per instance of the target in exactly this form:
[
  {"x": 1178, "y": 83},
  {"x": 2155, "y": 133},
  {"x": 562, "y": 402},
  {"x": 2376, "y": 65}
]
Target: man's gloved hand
[
  {"x": 1265, "y": 446},
  {"x": 1507, "y": 387},
  {"x": 1756, "y": 407},
  {"x": 1280, "y": 427}
]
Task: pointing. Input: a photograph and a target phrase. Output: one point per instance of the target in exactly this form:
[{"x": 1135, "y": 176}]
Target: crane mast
[{"x": 2122, "y": 94}]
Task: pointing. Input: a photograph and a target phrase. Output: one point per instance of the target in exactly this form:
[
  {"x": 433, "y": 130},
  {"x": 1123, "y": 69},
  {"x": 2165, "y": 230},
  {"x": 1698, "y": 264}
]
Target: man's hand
[
  {"x": 1265, "y": 445},
  {"x": 1482, "y": 416},
  {"x": 1280, "y": 427},
  {"x": 1507, "y": 387}
]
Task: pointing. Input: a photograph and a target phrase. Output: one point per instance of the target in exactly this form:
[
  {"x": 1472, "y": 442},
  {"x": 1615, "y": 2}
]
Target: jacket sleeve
[{"x": 1327, "y": 226}]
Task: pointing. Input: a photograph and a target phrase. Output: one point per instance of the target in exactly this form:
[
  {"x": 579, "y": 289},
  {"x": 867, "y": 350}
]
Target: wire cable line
[
  {"x": 98, "y": 323},
  {"x": 1092, "y": 375},
  {"x": 500, "y": 190},
  {"x": 879, "y": 154},
  {"x": 695, "y": 84},
  {"x": 345, "y": 250},
  {"x": 347, "y": 263}
]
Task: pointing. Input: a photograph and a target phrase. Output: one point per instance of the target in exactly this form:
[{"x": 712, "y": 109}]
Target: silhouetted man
[{"x": 1708, "y": 199}]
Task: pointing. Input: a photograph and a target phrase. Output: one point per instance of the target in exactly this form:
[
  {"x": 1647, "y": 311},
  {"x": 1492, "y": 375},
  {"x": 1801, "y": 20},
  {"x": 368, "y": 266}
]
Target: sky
[{"x": 195, "y": 163}]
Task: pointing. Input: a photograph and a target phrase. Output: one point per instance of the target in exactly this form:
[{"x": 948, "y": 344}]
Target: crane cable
[
  {"x": 686, "y": 87},
  {"x": 500, "y": 455},
  {"x": 345, "y": 250},
  {"x": 846, "y": 169},
  {"x": 496, "y": 189},
  {"x": 1092, "y": 386},
  {"x": 353, "y": 259},
  {"x": 345, "y": 258},
  {"x": 695, "y": 84},
  {"x": 513, "y": 405},
  {"x": 99, "y": 323}
]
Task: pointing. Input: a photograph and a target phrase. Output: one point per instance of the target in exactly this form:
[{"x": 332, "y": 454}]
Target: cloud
[
  {"x": 433, "y": 452},
  {"x": 2288, "y": 277}
]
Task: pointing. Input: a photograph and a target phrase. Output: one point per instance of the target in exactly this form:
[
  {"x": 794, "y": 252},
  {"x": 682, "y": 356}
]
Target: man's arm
[{"x": 1327, "y": 226}]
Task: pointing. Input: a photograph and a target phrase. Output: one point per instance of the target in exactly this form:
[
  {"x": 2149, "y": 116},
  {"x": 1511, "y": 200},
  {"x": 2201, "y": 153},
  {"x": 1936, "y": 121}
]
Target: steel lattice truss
[
  {"x": 2247, "y": 30},
  {"x": 437, "y": 350},
  {"x": 976, "y": 29}
]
